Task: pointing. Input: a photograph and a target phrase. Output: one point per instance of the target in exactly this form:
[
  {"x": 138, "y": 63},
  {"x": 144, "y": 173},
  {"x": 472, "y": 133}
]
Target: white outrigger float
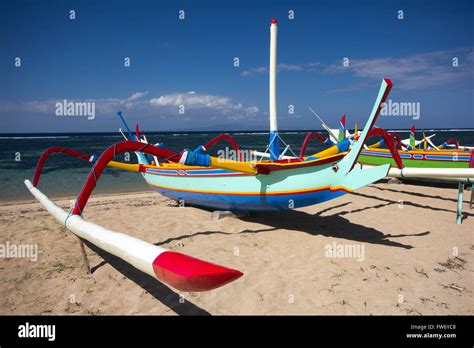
[{"x": 182, "y": 272}]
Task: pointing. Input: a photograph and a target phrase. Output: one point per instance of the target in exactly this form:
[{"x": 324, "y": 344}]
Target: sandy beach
[{"x": 412, "y": 258}]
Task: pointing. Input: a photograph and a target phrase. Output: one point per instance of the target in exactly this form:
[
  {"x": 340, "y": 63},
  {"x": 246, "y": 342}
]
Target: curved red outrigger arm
[
  {"x": 229, "y": 139},
  {"x": 398, "y": 141},
  {"x": 52, "y": 150},
  {"x": 108, "y": 156},
  {"x": 388, "y": 137},
  {"x": 308, "y": 138},
  {"x": 451, "y": 141},
  {"x": 101, "y": 163}
]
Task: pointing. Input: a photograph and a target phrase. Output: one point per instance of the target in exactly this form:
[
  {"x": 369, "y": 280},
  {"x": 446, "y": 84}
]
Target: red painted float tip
[
  {"x": 187, "y": 273},
  {"x": 274, "y": 21},
  {"x": 388, "y": 82}
]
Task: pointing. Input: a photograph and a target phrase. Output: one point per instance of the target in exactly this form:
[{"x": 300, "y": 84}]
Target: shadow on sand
[
  {"x": 388, "y": 201},
  {"x": 419, "y": 194},
  {"x": 313, "y": 224},
  {"x": 153, "y": 286},
  {"x": 329, "y": 226}
]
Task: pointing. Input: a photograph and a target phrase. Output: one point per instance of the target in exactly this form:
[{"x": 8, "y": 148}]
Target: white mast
[{"x": 274, "y": 141}]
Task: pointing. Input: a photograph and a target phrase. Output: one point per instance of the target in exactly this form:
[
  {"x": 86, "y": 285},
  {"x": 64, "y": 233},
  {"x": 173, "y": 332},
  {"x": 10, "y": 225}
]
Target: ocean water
[{"x": 64, "y": 176}]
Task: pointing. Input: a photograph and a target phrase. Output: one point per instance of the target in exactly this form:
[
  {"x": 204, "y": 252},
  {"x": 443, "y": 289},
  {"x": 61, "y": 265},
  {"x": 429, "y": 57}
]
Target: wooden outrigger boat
[
  {"x": 277, "y": 184},
  {"x": 200, "y": 179},
  {"x": 448, "y": 162},
  {"x": 413, "y": 153},
  {"x": 414, "y": 157}
]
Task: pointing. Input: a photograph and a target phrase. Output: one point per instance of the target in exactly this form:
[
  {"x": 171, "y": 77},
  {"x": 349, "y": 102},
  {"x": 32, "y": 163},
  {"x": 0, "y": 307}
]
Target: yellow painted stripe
[
  {"x": 244, "y": 167},
  {"x": 376, "y": 145},
  {"x": 124, "y": 166},
  {"x": 329, "y": 152}
]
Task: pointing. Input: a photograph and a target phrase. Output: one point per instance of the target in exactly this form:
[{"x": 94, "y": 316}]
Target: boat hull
[
  {"x": 279, "y": 190},
  {"x": 417, "y": 159},
  {"x": 221, "y": 189}
]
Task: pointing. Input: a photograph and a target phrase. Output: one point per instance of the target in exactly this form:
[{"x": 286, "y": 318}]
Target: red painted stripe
[{"x": 187, "y": 273}]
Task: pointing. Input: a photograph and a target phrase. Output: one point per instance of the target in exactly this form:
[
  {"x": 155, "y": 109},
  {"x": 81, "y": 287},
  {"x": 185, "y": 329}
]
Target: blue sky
[{"x": 191, "y": 63}]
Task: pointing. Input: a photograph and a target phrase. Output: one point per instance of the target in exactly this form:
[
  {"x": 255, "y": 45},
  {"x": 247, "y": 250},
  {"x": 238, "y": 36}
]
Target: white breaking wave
[{"x": 48, "y": 137}]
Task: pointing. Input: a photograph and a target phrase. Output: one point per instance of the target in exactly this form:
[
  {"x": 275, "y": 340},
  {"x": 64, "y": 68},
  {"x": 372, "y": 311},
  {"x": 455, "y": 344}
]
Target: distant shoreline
[
  {"x": 62, "y": 197},
  {"x": 256, "y": 131}
]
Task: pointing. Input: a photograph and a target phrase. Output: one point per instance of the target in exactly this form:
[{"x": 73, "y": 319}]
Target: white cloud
[
  {"x": 133, "y": 99},
  {"x": 415, "y": 71},
  {"x": 282, "y": 67},
  {"x": 137, "y": 95},
  {"x": 201, "y": 105},
  {"x": 422, "y": 70},
  {"x": 200, "y": 101}
]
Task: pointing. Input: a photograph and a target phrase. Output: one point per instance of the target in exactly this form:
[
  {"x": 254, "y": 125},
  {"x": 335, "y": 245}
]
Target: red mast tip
[{"x": 274, "y": 21}]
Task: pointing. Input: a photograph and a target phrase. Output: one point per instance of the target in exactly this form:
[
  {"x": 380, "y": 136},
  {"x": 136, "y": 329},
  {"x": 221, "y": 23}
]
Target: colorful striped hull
[
  {"x": 279, "y": 190},
  {"x": 417, "y": 159},
  {"x": 222, "y": 189},
  {"x": 252, "y": 202}
]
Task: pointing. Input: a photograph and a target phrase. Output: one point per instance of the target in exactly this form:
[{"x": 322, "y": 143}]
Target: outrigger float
[{"x": 279, "y": 183}]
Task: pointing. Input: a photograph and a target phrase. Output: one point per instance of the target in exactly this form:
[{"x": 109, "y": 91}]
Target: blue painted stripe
[
  {"x": 447, "y": 158},
  {"x": 377, "y": 154},
  {"x": 251, "y": 203},
  {"x": 158, "y": 171}
]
